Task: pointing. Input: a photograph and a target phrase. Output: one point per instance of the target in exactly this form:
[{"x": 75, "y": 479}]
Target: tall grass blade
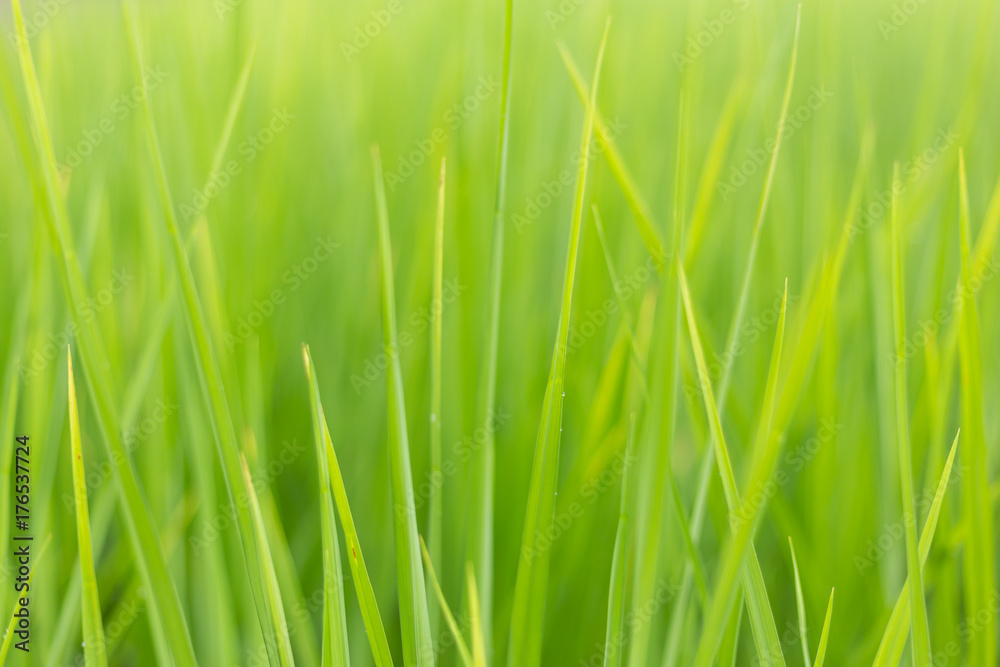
[
  {"x": 478, "y": 641},
  {"x": 527, "y": 617},
  {"x": 437, "y": 310},
  {"x": 93, "y": 627},
  {"x": 619, "y": 563},
  {"x": 824, "y": 637},
  {"x": 800, "y": 607},
  {"x": 449, "y": 618}
]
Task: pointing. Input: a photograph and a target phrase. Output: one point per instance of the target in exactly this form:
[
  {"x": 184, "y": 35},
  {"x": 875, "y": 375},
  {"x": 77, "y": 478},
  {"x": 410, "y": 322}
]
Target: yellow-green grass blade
[
  {"x": 414, "y": 617},
  {"x": 335, "y": 649},
  {"x": 824, "y": 637},
  {"x": 93, "y": 627},
  {"x": 614, "y": 635},
  {"x": 145, "y": 543},
  {"x": 647, "y": 226},
  {"x": 921, "y": 641},
  {"x": 437, "y": 310},
  {"x": 210, "y": 377},
  {"x": 979, "y": 563},
  {"x": 729, "y": 647},
  {"x": 800, "y": 606},
  {"x": 356, "y": 560},
  {"x": 743, "y": 518},
  {"x": 527, "y": 617},
  {"x": 479, "y": 518},
  {"x": 890, "y": 650},
  {"x": 478, "y": 642},
  {"x": 8, "y": 637},
  {"x": 449, "y": 618}
]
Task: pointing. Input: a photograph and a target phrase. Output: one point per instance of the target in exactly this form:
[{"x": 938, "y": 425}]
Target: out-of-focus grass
[{"x": 185, "y": 286}]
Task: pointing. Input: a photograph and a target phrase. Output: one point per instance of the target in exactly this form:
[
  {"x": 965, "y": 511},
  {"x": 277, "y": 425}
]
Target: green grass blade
[
  {"x": 480, "y": 516},
  {"x": 824, "y": 637},
  {"x": 800, "y": 607},
  {"x": 359, "y": 573},
  {"x": 894, "y": 639},
  {"x": 143, "y": 537},
  {"x": 335, "y": 650},
  {"x": 93, "y": 627},
  {"x": 478, "y": 642},
  {"x": 527, "y": 617},
  {"x": 437, "y": 310},
  {"x": 921, "y": 635},
  {"x": 743, "y": 518},
  {"x": 979, "y": 564},
  {"x": 619, "y": 563},
  {"x": 414, "y": 617},
  {"x": 449, "y": 618}
]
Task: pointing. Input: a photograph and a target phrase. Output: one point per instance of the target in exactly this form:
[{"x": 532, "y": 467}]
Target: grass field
[{"x": 568, "y": 333}]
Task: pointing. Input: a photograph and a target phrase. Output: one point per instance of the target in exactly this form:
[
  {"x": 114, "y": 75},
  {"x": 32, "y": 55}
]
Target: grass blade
[
  {"x": 801, "y": 607},
  {"x": 359, "y": 573},
  {"x": 478, "y": 642},
  {"x": 619, "y": 564},
  {"x": 437, "y": 310},
  {"x": 93, "y": 627},
  {"x": 825, "y": 635},
  {"x": 449, "y": 618},
  {"x": 527, "y": 618},
  {"x": 921, "y": 635},
  {"x": 414, "y": 617}
]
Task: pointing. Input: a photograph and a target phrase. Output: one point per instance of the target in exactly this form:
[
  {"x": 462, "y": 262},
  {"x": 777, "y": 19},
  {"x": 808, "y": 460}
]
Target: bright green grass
[{"x": 623, "y": 384}]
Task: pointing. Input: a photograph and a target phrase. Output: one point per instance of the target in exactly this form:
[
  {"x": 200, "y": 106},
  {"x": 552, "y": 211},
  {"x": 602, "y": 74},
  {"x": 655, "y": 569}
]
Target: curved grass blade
[
  {"x": 8, "y": 636},
  {"x": 414, "y": 617},
  {"x": 921, "y": 641},
  {"x": 335, "y": 650},
  {"x": 359, "y": 573},
  {"x": 743, "y": 518},
  {"x": 613, "y": 641},
  {"x": 890, "y": 651},
  {"x": 478, "y": 642},
  {"x": 437, "y": 301},
  {"x": 480, "y": 519},
  {"x": 979, "y": 577},
  {"x": 825, "y": 635},
  {"x": 93, "y": 627},
  {"x": 800, "y": 607},
  {"x": 143, "y": 537},
  {"x": 449, "y": 618},
  {"x": 527, "y": 618}
]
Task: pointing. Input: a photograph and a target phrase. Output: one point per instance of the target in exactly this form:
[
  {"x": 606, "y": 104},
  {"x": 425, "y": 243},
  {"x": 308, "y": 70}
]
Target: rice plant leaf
[
  {"x": 890, "y": 650},
  {"x": 93, "y": 628},
  {"x": 800, "y": 606},
  {"x": 824, "y": 637},
  {"x": 480, "y": 515},
  {"x": 8, "y": 637},
  {"x": 143, "y": 537},
  {"x": 478, "y": 642},
  {"x": 527, "y": 617},
  {"x": 414, "y": 617},
  {"x": 449, "y": 618},
  {"x": 979, "y": 576},
  {"x": 619, "y": 563},
  {"x": 359, "y": 573},
  {"x": 743, "y": 518},
  {"x": 335, "y": 649},
  {"x": 210, "y": 378},
  {"x": 921, "y": 641},
  {"x": 437, "y": 302}
]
